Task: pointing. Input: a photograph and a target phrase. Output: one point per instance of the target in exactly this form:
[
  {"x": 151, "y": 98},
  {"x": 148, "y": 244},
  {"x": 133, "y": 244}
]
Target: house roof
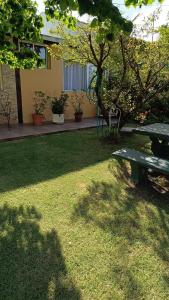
[
  {"x": 52, "y": 39},
  {"x": 48, "y": 31},
  {"x": 49, "y": 28}
]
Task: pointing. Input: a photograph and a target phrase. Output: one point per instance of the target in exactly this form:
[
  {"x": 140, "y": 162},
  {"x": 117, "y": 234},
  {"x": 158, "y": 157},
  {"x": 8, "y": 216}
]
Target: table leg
[
  {"x": 160, "y": 148},
  {"x": 138, "y": 173}
]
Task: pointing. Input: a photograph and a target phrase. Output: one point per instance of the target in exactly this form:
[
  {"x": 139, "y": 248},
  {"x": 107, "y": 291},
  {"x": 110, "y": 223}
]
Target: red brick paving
[{"x": 23, "y": 131}]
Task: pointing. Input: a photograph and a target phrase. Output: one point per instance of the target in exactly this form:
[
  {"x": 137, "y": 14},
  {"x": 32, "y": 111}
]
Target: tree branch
[
  {"x": 124, "y": 67},
  {"x": 92, "y": 49},
  {"x": 107, "y": 54}
]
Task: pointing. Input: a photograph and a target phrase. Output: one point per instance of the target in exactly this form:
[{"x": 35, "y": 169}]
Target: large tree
[
  {"x": 85, "y": 46},
  {"x": 93, "y": 43},
  {"x": 102, "y": 10},
  {"x": 147, "y": 73},
  {"x": 144, "y": 65},
  {"x": 139, "y": 69},
  {"x": 18, "y": 21}
]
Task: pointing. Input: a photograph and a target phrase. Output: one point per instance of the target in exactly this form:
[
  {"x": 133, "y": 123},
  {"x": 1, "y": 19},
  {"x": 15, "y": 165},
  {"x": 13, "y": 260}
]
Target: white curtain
[{"x": 75, "y": 77}]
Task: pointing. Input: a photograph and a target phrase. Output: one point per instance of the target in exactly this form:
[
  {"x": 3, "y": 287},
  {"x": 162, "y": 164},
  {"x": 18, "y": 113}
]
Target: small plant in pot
[
  {"x": 58, "y": 108},
  {"x": 78, "y": 112},
  {"x": 40, "y": 100},
  {"x": 78, "y": 106}
]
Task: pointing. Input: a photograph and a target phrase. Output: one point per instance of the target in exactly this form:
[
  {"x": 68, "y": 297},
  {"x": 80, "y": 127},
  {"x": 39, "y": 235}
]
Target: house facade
[{"x": 52, "y": 78}]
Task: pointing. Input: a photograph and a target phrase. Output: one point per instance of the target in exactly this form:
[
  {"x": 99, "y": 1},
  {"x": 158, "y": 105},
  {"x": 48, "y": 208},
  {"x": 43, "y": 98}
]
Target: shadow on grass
[
  {"x": 31, "y": 263},
  {"x": 135, "y": 217}
]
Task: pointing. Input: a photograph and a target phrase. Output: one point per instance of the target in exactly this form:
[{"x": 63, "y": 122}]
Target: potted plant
[
  {"x": 58, "y": 107},
  {"x": 78, "y": 97},
  {"x": 78, "y": 112},
  {"x": 39, "y": 105}
]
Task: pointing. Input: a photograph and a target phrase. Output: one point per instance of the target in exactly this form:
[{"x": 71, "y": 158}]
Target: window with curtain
[{"x": 75, "y": 77}]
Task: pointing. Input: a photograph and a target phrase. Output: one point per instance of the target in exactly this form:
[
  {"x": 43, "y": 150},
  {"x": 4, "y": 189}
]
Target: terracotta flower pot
[
  {"x": 78, "y": 117},
  {"x": 37, "y": 119}
]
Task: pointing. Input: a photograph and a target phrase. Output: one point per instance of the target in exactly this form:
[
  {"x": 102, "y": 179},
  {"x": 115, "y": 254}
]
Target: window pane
[
  {"x": 75, "y": 77},
  {"x": 66, "y": 87},
  {"x": 42, "y": 53},
  {"x": 84, "y": 78}
]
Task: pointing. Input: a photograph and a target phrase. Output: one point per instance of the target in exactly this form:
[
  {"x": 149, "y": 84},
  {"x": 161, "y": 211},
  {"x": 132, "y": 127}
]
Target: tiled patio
[{"x": 23, "y": 131}]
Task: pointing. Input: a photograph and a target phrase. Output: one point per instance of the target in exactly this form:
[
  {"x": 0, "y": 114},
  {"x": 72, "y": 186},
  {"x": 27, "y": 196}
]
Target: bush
[
  {"x": 58, "y": 103},
  {"x": 157, "y": 110}
]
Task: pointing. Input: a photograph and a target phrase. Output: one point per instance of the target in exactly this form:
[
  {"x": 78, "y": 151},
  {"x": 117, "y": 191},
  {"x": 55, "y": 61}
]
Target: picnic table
[{"x": 159, "y": 135}]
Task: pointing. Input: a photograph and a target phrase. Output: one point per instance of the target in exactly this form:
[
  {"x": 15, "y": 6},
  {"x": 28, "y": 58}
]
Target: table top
[{"x": 159, "y": 130}]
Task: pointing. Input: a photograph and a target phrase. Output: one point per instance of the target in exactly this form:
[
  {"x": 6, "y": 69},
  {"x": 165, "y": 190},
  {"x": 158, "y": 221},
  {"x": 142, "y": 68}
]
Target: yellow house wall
[{"x": 49, "y": 81}]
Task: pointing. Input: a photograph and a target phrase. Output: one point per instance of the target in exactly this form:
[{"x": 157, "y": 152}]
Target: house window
[
  {"x": 1, "y": 78},
  {"x": 75, "y": 77},
  {"x": 78, "y": 77},
  {"x": 42, "y": 53},
  {"x": 40, "y": 50}
]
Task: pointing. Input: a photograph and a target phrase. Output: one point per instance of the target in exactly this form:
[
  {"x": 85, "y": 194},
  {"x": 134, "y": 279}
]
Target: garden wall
[{"x": 8, "y": 84}]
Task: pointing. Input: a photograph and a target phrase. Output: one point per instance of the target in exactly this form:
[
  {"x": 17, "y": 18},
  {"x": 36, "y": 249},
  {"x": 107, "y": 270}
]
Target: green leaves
[
  {"x": 19, "y": 20},
  {"x": 140, "y": 2},
  {"x": 94, "y": 22},
  {"x": 103, "y": 11}
]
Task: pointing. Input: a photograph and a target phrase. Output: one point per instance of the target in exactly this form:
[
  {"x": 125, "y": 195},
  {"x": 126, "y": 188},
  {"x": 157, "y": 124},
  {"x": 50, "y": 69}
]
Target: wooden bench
[{"x": 141, "y": 162}]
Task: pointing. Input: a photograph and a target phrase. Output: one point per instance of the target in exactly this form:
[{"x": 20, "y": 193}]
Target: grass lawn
[{"x": 73, "y": 227}]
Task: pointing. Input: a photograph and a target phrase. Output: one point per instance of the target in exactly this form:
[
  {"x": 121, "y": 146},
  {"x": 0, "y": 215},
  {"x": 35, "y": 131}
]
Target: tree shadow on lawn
[
  {"x": 31, "y": 263},
  {"x": 137, "y": 217}
]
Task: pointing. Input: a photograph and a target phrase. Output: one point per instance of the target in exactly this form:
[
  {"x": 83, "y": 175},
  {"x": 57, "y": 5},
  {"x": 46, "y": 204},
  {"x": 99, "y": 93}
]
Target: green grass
[{"x": 73, "y": 227}]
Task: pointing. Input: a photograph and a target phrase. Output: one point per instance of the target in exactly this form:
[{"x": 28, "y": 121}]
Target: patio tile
[{"x": 23, "y": 131}]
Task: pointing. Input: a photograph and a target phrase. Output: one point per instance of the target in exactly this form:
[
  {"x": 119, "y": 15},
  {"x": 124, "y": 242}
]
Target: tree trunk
[{"x": 98, "y": 90}]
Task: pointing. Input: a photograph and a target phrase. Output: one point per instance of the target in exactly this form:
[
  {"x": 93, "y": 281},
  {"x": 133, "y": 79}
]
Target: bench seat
[{"x": 141, "y": 162}]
